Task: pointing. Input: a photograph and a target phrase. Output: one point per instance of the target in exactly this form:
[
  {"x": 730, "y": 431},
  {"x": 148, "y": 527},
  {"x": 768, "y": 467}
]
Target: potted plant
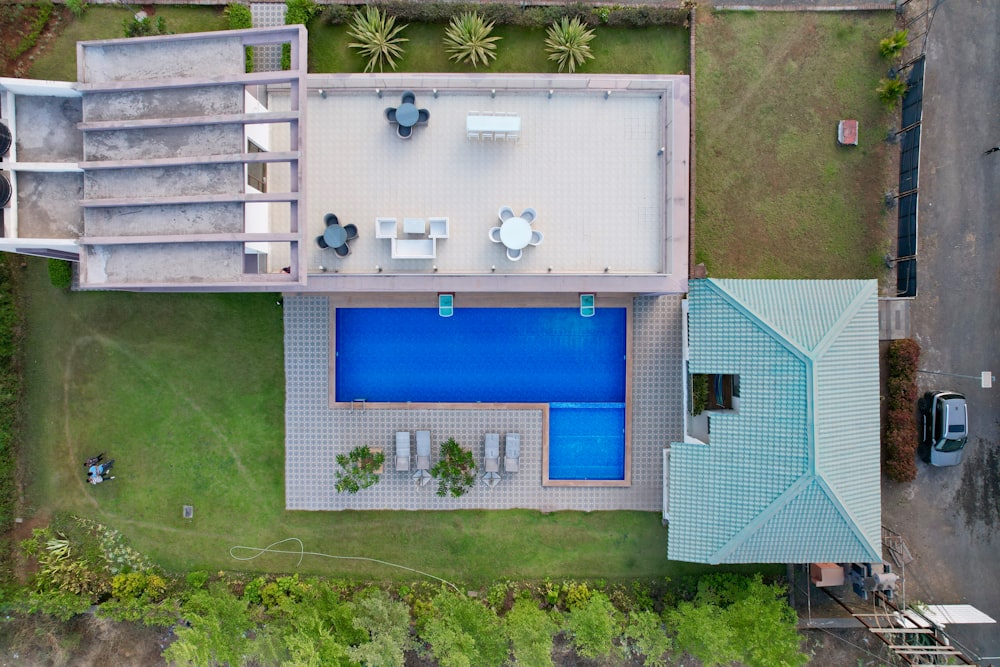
[
  {"x": 456, "y": 471},
  {"x": 361, "y": 467}
]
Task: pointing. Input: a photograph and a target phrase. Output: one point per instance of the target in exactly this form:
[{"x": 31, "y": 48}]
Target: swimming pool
[{"x": 499, "y": 355}]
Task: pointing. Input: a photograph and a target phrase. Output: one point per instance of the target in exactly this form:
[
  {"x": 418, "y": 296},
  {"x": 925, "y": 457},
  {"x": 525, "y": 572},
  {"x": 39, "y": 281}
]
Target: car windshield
[{"x": 951, "y": 445}]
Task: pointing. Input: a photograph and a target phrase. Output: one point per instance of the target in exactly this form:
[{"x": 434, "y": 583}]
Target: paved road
[{"x": 951, "y": 517}]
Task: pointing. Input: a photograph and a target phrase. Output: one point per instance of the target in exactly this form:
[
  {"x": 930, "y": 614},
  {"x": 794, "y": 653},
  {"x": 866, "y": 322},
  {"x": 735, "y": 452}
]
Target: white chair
[
  {"x": 514, "y": 255},
  {"x": 495, "y": 234},
  {"x": 499, "y": 136},
  {"x": 473, "y": 136},
  {"x": 385, "y": 228},
  {"x": 491, "y": 460},
  {"x": 437, "y": 228},
  {"x": 506, "y": 213},
  {"x": 529, "y": 215},
  {"x": 536, "y": 237},
  {"x": 423, "y": 475}
]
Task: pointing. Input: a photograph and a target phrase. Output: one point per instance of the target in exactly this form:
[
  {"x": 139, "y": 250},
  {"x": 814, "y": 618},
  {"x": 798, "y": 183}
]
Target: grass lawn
[
  {"x": 58, "y": 61},
  {"x": 186, "y": 393},
  {"x": 616, "y": 50},
  {"x": 776, "y": 196}
]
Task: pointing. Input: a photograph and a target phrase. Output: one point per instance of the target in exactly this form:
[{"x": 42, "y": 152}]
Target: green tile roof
[{"x": 793, "y": 475}]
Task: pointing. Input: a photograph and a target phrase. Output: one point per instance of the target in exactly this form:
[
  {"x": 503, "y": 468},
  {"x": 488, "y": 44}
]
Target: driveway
[{"x": 951, "y": 517}]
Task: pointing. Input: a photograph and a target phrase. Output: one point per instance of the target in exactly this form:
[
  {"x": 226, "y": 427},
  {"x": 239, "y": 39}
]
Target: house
[{"x": 783, "y": 465}]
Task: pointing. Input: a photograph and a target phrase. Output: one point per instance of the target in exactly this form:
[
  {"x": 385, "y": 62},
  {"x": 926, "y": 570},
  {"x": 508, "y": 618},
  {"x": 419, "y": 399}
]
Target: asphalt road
[{"x": 950, "y": 517}]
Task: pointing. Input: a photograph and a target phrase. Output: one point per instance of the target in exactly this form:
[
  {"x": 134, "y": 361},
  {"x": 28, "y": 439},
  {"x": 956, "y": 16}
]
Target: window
[{"x": 256, "y": 171}]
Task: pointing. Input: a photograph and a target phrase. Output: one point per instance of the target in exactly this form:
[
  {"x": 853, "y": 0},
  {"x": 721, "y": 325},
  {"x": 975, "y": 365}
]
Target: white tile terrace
[{"x": 611, "y": 205}]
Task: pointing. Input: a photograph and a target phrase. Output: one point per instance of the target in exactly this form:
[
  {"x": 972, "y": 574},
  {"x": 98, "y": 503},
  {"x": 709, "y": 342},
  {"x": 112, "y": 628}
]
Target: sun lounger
[
  {"x": 491, "y": 459},
  {"x": 403, "y": 451},
  {"x": 512, "y": 460},
  {"x": 423, "y": 475}
]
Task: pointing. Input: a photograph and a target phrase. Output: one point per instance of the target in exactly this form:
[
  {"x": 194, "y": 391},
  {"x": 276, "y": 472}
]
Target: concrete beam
[
  {"x": 218, "y": 119},
  {"x": 240, "y": 158},
  {"x": 266, "y": 197},
  {"x": 191, "y": 238},
  {"x": 250, "y": 79}
]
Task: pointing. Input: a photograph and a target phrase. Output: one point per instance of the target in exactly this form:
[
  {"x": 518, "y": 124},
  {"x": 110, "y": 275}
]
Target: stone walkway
[
  {"x": 267, "y": 15},
  {"x": 315, "y": 434}
]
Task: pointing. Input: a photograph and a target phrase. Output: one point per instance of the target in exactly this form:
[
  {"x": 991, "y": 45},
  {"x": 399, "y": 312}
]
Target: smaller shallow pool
[{"x": 587, "y": 441}]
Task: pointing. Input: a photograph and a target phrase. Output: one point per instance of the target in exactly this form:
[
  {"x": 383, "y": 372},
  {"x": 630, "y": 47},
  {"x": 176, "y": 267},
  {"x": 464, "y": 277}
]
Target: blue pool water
[{"x": 499, "y": 355}]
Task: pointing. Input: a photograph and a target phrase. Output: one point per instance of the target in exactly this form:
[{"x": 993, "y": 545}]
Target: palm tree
[
  {"x": 568, "y": 43},
  {"x": 468, "y": 39},
  {"x": 378, "y": 38},
  {"x": 890, "y": 91},
  {"x": 893, "y": 45}
]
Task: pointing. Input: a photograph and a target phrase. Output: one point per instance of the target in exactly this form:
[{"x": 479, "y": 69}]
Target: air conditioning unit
[
  {"x": 5, "y": 139},
  {"x": 5, "y": 190}
]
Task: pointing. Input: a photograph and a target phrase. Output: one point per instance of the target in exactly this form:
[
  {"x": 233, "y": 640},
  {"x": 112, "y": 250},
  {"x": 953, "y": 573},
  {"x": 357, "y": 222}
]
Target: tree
[
  {"x": 468, "y": 39},
  {"x": 359, "y": 469},
  {"x": 216, "y": 630},
  {"x": 648, "y": 638},
  {"x": 530, "y": 631},
  {"x": 890, "y": 91},
  {"x": 568, "y": 43},
  {"x": 700, "y": 631},
  {"x": 377, "y": 38},
  {"x": 463, "y": 632},
  {"x": 387, "y": 624},
  {"x": 593, "y": 627},
  {"x": 456, "y": 471}
]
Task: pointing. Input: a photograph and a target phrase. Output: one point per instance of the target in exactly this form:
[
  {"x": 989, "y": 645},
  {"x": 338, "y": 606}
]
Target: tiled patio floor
[{"x": 315, "y": 433}]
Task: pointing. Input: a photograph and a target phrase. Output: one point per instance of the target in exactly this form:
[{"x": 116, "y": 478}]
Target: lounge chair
[
  {"x": 506, "y": 213},
  {"x": 514, "y": 254},
  {"x": 331, "y": 219},
  {"x": 352, "y": 231},
  {"x": 408, "y": 96},
  {"x": 495, "y": 234},
  {"x": 536, "y": 237},
  {"x": 403, "y": 451},
  {"x": 423, "y": 475},
  {"x": 343, "y": 250},
  {"x": 512, "y": 458},
  {"x": 529, "y": 215},
  {"x": 404, "y": 132},
  {"x": 491, "y": 460},
  {"x": 423, "y": 115},
  {"x": 390, "y": 114},
  {"x": 321, "y": 242}
]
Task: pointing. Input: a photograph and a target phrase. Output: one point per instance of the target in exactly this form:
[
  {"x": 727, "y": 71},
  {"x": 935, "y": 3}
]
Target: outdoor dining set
[
  {"x": 515, "y": 231},
  {"x": 336, "y": 236},
  {"x": 407, "y": 115},
  {"x": 491, "y": 456}
]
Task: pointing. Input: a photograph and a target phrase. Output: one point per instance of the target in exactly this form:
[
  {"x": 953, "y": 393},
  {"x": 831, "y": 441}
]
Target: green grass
[
  {"x": 58, "y": 61},
  {"x": 776, "y": 197},
  {"x": 616, "y": 50},
  {"x": 186, "y": 393}
]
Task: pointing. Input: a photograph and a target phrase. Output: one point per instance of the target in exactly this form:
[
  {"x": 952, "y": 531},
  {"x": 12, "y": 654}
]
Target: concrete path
[{"x": 950, "y": 517}]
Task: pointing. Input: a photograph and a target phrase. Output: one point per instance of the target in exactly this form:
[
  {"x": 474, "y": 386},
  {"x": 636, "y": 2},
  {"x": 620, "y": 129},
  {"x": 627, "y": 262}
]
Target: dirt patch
[
  {"x": 979, "y": 494},
  {"x": 16, "y": 23},
  {"x": 85, "y": 641}
]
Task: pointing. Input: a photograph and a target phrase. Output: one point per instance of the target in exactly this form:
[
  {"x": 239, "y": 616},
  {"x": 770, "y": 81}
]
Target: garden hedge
[{"x": 900, "y": 435}]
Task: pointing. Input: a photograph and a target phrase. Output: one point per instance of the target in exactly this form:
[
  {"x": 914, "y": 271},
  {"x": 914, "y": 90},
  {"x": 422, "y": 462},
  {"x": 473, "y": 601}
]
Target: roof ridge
[
  {"x": 769, "y": 327},
  {"x": 848, "y": 517},
  {"x": 765, "y": 515},
  {"x": 846, "y": 317}
]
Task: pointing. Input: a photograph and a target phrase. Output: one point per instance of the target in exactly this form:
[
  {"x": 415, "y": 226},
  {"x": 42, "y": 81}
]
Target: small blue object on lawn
[
  {"x": 587, "y": 308},
  {"x": 446, "y": 304}
]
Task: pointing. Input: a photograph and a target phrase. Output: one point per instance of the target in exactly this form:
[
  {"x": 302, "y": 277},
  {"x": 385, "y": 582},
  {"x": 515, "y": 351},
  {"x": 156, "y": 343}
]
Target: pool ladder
[{"x": 358, "y": 404}]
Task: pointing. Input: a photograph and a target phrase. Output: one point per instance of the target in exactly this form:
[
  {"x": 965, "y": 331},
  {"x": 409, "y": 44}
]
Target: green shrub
[
  {"x": 77, "y": 7},
  {"x": 890, "y": 91},
  {"x": 594, "y": 626},
  {"x": 530, "y": 631},
  {"x": 892, "y": 46},
  {"x": 37, "y": 26},
  {"x": 60, "y": 273},
  {"x": 647, "y": 637},
  {"x": 296, "y": 12},
  {"x": 377, "y": 38},
  {"x": 144, "y": 27},
  {"x": 455, "y": 471},
  {"x": 462, "y": 631},
  {"x": 468, "y": 40},
  {"x": 358, "y": 469},
  {"x": 699, "y": 393},
  {"x": 568, "y": 43}
]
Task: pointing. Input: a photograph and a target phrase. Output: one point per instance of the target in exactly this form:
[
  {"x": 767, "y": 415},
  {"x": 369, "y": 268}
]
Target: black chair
[
  {"x": 352, "y": 231},
  {"x": 390, "y": 114},
  {"x": 343, "y": 251},
  {"x": 403, "y": 132},
  {"x": 321, "y": 242},
  {"x": 331, "y": 219},
  {"x": 408, "y": 96},
  {"x": 423, "y": 115}
]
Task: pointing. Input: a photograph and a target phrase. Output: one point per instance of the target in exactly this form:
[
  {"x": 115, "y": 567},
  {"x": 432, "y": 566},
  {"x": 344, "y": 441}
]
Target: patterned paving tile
[
  {"x": 266, "y": 15},
  {"x": 315, "y": 433}
]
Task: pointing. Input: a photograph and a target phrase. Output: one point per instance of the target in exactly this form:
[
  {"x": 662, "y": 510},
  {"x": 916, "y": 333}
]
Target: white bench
[
  {"x": 495, "y": 126},
  {"x": 414, "y": 249}
]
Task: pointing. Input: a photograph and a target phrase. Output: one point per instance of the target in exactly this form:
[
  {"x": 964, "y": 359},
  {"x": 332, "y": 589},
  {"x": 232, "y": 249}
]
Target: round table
[
  {"x": 335, "y": 236},
  {"x": 515, "y": 233},
  {"x": 407, "y": 114}
]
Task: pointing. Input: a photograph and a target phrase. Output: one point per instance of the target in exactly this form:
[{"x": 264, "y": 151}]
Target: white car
[{"x": 946, "y": 427}]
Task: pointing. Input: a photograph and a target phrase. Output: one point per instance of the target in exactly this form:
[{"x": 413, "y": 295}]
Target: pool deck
[{"x": 317, "y": 432}]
